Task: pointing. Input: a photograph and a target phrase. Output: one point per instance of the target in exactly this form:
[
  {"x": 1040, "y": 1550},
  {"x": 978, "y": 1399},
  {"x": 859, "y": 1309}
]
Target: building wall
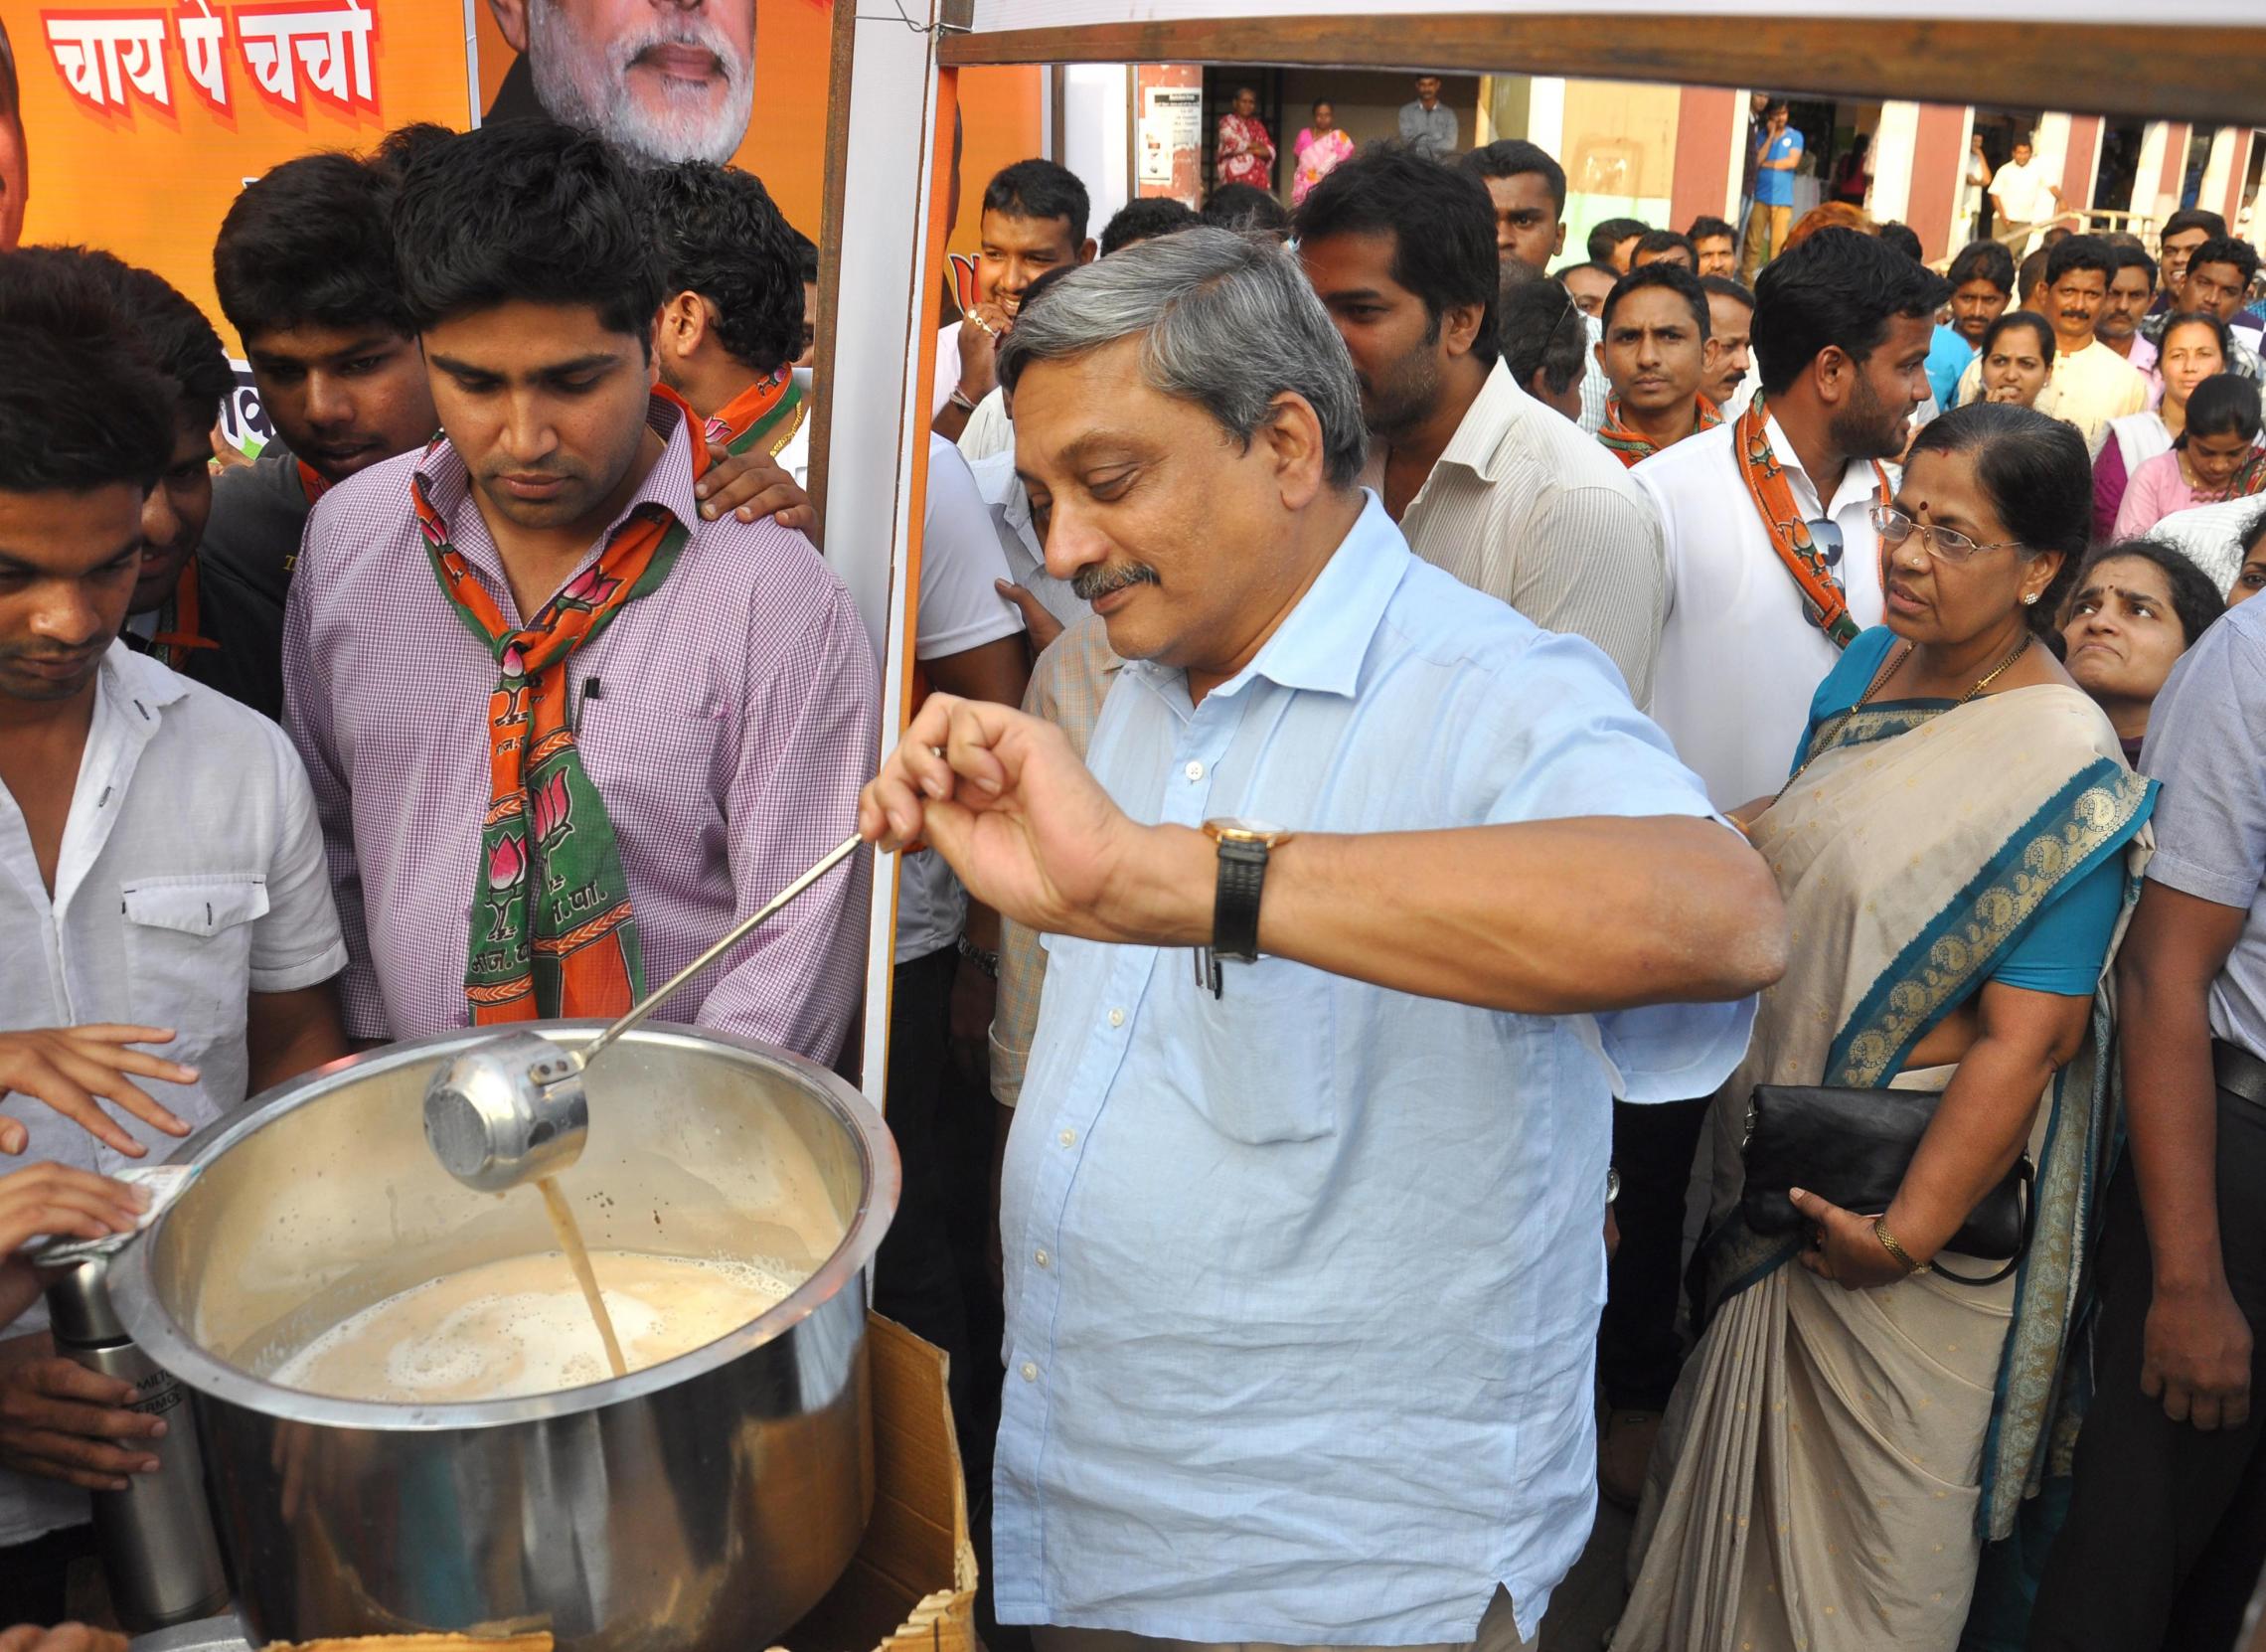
[
  {"x": 1940, "y": 137},
  {"x": 1711, "y": 129},
  {"x": 1618, "y": 147}
]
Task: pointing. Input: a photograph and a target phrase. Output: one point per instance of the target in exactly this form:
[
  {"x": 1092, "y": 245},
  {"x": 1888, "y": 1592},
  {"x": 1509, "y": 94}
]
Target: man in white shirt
[
  {"x": 1842, "y": 329},
  {"x": 161, "y": 873},
  {"x": 1034, "y": 220},
  {"x": 2092, "y": 383},
  {"x": 2020, "y": 190},
  {"x": 1485, "y": 482}
]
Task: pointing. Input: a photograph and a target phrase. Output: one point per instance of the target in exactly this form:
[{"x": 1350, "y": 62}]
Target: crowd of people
[{"x": 1428, "y": 761}]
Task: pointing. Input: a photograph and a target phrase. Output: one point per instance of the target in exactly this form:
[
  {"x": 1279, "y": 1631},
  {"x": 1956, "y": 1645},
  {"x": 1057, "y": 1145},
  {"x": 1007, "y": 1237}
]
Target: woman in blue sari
[{"x": 1955, "y": 849}]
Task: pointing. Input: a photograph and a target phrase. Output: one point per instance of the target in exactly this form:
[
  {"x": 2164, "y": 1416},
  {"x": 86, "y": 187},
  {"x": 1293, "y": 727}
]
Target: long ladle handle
[{"x": 834, "y": 856}]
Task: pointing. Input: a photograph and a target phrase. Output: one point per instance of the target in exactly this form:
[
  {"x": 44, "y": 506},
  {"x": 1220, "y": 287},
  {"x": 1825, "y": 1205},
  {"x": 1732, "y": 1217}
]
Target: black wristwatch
[{"x": 1243, "y": 849}]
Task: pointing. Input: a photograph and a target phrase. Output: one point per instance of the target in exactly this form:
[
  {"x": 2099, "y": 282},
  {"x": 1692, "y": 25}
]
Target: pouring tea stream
[{"x": 513, "y": 1109}]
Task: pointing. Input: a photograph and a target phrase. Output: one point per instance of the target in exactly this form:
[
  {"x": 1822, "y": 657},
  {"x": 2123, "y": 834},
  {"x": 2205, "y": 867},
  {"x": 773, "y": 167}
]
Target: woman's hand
[{"x": 1843, "y": 1246}]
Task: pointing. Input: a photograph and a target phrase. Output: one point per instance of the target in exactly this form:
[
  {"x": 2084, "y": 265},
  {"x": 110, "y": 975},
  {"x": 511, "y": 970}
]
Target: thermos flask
[{"x": 156, "y": 1538}]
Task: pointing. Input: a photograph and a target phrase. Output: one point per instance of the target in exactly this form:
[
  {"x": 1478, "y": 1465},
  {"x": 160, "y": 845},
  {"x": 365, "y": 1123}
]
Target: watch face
[{"x": 1257, "y": 830}]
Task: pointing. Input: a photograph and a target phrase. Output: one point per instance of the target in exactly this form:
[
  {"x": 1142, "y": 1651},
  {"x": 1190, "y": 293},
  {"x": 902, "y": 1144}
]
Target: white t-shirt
[
  {"x": 960, "y": 556},
  {"x": 947, "y": 366},
  {"x": 190, "y": 877},
  {"x": 2021, "y": 189},
  {"x": 1738, "y": 659}
]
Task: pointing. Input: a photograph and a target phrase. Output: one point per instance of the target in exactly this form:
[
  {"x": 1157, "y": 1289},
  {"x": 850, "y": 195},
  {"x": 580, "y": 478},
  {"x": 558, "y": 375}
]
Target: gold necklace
[
  {"x": 1982, "y": 683},
  {"x": 1820, "y": 747}
]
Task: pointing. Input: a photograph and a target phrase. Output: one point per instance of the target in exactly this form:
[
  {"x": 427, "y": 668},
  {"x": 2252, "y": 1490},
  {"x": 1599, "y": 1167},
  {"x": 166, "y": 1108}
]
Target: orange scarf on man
[
  {"x": 1632, "y": 447},
  {"x": 553, "y": 932},
  {"x": 1773, "y": 495}
]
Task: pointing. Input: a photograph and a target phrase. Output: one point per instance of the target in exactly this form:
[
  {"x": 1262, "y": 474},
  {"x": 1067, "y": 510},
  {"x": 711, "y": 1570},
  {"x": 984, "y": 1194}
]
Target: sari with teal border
[{"x": 2096, "y": 807}]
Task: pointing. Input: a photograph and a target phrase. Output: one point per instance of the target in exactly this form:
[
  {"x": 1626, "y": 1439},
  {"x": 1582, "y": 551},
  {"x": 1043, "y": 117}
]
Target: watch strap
[{"x": 1236, "y": 905}]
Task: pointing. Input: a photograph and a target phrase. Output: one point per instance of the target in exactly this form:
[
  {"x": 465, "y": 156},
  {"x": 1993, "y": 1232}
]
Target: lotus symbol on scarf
[
  {"x": 589, "y": 589},
  {"x": 512, "y": 662},
  {"x": 553, "y": 807},
  {"x": 507, "y": 862}
]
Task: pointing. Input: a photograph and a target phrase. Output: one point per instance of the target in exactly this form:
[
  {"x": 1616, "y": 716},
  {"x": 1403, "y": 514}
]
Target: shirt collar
[
  {"x": 448, "y": 480},
  {"x": 137, "y": 686},
  {"x": 1858, "y": 482},
  {"x": 1322, "y": 642},
  {"x": 1498, "y": 409},
  {"x": 1479, "y": 444}
]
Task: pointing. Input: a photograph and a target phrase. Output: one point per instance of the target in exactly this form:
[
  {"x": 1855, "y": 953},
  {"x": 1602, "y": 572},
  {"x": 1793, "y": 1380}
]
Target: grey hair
[{"x": 1227, "y": 321}]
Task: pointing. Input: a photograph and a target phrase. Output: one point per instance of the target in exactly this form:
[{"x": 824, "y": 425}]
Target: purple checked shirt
[{"x": 728, "y": 720}]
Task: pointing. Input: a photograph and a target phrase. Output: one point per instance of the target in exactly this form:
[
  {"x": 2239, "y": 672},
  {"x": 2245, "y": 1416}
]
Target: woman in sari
[
  {"x": 1244, "y": 153},
  {"x": 1320, "y": 147},
  {"x": 1954, "y": 849}
]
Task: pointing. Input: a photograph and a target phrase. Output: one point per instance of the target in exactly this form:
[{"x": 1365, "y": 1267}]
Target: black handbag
[{"x": 1852, "y": 1147}]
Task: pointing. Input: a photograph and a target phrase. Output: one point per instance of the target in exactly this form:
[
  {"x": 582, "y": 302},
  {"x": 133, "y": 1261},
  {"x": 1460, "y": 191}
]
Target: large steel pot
[{"x": 703, "y": 1503}]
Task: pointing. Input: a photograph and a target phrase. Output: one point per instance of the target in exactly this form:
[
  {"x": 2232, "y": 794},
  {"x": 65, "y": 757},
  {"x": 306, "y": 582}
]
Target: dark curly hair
[
  {"x": 2039, "y": 480},
  {"x": 174, "y": 333},
  {"x": 82, "y": 405},
  {"x": 308, "y": 243},
  {"x": 526, "y": 211},
  {"x": 724, "y": 238}
]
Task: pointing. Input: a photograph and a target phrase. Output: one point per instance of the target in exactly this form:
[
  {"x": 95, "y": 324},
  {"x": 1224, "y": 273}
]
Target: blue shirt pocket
[{"x": 1266, "y": 1062}]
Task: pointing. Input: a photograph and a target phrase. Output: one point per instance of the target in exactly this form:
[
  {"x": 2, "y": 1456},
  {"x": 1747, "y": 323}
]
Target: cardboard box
[{"x": 911, "y": 1586}]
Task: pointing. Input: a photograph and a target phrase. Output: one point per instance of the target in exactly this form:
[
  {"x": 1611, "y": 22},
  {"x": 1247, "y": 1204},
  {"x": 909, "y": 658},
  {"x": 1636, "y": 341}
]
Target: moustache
[
  {"x": 1100, "y": 579},
  {"x": 693, "y": 33}
]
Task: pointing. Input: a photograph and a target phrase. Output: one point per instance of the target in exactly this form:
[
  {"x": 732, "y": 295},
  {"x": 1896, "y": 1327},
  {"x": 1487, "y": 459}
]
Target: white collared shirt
[
  {"x": 1738, "y": 658},
  {"x": 1009, "y": 506},
  {"x": 1527, "y": 508},
  {"x": 191, "y": 875}
]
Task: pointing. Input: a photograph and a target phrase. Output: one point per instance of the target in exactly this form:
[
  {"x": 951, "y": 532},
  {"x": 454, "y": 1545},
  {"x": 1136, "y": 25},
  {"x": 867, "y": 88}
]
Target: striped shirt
[
  {"x": 1527, "y": 508},
  {"x": 727, "y": 718},
  {"x": 1067, "y": 686}
]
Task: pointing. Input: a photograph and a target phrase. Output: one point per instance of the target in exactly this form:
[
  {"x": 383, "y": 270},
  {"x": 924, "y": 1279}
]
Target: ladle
[{"x": 511, "y": 1108}]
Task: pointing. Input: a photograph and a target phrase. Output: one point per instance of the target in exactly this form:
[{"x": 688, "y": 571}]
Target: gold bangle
[{"x": 1889, "y": 1244}]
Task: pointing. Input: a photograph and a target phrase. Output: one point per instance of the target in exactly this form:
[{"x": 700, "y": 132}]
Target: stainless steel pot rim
[{"x": 153, "y": 1328}]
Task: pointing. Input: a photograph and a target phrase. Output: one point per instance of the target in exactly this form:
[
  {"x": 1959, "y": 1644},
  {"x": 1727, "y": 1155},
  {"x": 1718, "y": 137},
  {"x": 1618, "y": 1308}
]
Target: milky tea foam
[{"x": 520, "y": 1326}]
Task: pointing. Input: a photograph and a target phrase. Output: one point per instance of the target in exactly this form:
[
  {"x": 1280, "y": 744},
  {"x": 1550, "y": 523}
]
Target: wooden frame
[
  {"x": 891, "y": 79},
  {"x": 2201, "y": 74}
]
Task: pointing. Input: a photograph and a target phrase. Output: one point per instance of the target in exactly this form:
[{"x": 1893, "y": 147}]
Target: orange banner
[{"x": 140, "y": 122}]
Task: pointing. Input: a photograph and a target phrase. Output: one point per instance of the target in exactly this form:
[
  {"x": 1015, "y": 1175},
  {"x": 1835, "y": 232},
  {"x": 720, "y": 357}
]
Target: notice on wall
[{"x": 1171, "y": 125}]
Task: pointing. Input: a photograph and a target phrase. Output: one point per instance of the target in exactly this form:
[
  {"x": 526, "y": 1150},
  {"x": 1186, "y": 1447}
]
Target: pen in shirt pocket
[{"x": 592, "y": 689}]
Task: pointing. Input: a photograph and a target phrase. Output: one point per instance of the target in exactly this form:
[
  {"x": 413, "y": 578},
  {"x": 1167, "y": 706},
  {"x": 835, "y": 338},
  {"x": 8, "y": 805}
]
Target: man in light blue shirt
[
  {"x": 1303, "y": 1204},
  {"x": 1777, "y": 154}
]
